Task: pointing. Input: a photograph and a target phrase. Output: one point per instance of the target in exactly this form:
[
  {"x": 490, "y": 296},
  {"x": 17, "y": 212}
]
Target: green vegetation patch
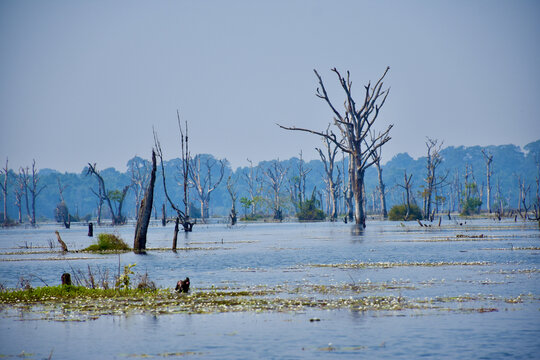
[
  {"x": 399, "y": 213},
  {"x": 108, "y": 242}
]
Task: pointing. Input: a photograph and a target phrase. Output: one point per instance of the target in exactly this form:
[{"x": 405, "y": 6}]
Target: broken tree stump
[
  {"x": 66, "y": 279},
  {"x": 62, "y": 244}
]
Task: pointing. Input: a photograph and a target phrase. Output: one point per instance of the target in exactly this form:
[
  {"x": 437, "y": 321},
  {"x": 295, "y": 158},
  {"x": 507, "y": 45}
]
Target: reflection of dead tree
[
  {"x": 275, "y": 174},
  {"x": 108, "y": 197},
  {"x": 201, "y": 176},
  {"x": 358, "y": 137},
  {"x": 233, "y": 193},
  {"x": 145, "y": 211},
  {"x": 333, "y": 185}
]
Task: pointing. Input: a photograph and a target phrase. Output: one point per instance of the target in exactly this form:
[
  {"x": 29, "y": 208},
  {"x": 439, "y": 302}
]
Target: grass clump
[{"x": 108, "y": 242}]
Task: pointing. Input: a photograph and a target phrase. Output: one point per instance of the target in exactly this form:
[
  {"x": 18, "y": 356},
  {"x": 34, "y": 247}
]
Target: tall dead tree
[
  {"x": 233, "y": 193},
  {"x": 252, "y": 179},
  {"x": 19, "y": 193},
  {"x": 357, "y": 135},
  {"x": 328, "y": 160},
  {"x": 62, "y": 210},
  {"x": 434, "y": 159},
  {"x": 34, "y": 189},
  {"x": 275, "y": 175},
  {"x": 297, "y": 184},
  {"x": 145, "y": 211},
  {"x": 381, "y": 187},
  {"x": 140, "y": 171},
  {"x": 4, "y": 186},
  {"x": 489, "y": 159},
  {"x": 407, "y": 185},
  {"x": 201, "y": 176},
  {"x": 104, "y": 195},
  {"x": 182, "y": 216}
]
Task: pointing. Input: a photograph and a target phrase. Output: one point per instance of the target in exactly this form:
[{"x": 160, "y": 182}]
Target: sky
[{"x": 87, "y": 81}]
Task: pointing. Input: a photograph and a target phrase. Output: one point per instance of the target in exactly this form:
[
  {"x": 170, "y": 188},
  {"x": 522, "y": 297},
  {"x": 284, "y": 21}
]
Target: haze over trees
[{"x": 514, "y": 180}]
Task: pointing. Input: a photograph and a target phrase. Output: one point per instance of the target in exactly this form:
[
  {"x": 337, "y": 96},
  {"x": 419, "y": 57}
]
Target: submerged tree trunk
[{"x": 145, "y": 211}]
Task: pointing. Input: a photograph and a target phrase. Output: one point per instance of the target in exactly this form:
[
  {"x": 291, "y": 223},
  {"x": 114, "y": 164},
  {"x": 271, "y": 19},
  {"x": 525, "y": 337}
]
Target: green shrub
[
  {"x": 471, "y": 206},
  {"x": 309, "y": 210},
  {"x": 398, "y": 212},
  {"x": 108, "y": 242}
]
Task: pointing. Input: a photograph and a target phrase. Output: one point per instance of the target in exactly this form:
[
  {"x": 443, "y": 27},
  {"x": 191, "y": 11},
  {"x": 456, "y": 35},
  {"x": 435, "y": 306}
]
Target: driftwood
[{"x": 62, "y": 244}]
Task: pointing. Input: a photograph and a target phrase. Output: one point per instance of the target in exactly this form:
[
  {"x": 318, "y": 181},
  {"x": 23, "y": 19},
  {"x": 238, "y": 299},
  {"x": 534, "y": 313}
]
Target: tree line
[
  {"x": 349, "y": 181},
  {"x": 513, "y": 183}
]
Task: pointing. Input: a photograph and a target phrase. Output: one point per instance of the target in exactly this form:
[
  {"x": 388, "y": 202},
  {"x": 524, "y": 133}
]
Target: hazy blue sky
[{"x": 85, "y": 81}]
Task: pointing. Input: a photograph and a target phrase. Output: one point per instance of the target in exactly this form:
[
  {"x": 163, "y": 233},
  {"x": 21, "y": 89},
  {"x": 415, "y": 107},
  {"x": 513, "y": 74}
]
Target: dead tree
[
  {"x": 434, "y": 159},
  {"x": 407, "y": 186},
  {"x": 381, "y": 187},
  {"x": 201, "y": 176},
  {"x": 19, "y": 193},
  {"x": 347, "y": 189},
  {"x": 140, "y": 171},
  {"x": 489, "y": 159},
  {"x": 181, "y": 216},
  {"x": 358, "y": 137},
  {"x": 231, "y": 188},
  {"x": 33, "y": 188},
  {"x": 145, "y": 211},
  {"x": 104, "y": 195},
  {"x": 100, "y": 198},
  {"x": 275, "y": 175},
  {"x": 252, "y": 178},
  {"x": 62, "y": 210},
  {"x": 4, "y": 187},
  {"x": 328, "y": 160}
]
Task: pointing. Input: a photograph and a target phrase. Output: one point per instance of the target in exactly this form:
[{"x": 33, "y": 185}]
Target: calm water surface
[{"x": 291, "y": 254}]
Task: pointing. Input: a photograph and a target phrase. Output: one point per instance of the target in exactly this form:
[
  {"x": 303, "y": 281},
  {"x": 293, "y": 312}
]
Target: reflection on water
[{"x": 387, "y": 258}]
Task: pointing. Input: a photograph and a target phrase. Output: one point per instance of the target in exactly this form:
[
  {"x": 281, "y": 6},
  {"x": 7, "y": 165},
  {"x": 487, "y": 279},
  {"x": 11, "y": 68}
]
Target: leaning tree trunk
[{"x": 145, "y": 211}]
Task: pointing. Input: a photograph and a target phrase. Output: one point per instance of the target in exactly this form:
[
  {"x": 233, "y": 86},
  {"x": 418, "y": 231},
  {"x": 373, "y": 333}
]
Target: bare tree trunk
[
  {"x": 145, "y": 211},
  {"x": 5, "y": 191},
  {"x": 489, "y": 159},
  {"x": 175, "y": 235},
  {"x": 163, "y": 215},
  {"x": 382, "y": 191}
]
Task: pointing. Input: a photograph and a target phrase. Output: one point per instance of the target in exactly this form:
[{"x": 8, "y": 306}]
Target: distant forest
[{"x": 514, "y": 185}]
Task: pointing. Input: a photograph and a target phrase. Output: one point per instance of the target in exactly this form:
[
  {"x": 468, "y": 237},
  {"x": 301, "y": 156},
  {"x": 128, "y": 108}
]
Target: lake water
[{"x": 474, "y": 290}]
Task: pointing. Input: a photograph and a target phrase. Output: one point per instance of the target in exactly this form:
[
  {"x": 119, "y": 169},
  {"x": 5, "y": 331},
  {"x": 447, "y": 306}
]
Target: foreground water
[{"x": 473, "y": 292}]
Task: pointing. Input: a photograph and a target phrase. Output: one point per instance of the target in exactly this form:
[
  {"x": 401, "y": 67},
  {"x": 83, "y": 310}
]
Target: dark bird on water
[{"x": 182, "y": 286}]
